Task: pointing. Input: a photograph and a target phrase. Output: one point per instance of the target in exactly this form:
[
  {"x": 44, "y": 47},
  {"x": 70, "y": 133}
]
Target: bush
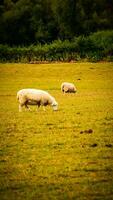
[{"x": 95, "y": 47}]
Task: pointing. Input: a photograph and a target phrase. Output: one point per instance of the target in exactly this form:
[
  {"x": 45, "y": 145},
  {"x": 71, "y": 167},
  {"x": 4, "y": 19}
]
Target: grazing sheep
[
  {"x": 68, "y": 87},
  {"x": 35, "y": 97}
]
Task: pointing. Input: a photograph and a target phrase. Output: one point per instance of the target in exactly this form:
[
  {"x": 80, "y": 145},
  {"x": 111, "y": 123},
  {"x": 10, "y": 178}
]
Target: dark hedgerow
[{"x": 95, "y": 47}]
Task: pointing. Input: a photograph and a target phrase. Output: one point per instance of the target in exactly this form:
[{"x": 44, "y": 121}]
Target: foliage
[
  {"x": 95, "y": 47},
  {"x": 26, "y": 22}
]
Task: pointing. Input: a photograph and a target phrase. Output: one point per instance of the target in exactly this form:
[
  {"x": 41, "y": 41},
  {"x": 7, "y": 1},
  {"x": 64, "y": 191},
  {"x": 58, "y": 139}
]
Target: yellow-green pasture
[{"x": 67, "y": 154}]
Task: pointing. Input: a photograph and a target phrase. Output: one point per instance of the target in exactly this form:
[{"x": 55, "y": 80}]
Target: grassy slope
[{"x": 47, "y": 155}]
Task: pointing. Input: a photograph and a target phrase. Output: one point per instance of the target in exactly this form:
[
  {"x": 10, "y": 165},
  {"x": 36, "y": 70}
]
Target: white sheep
[
  {"x": 68, "y": 87},
  {"x": 35, "y": 97}
]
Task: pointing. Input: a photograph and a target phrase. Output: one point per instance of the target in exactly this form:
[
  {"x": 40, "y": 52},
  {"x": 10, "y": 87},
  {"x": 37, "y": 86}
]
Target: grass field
[{"x": 61, "y": 155}]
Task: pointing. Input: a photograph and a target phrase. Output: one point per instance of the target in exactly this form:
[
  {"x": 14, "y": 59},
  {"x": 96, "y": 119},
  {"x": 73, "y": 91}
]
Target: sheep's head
[{"x": 55, "y": 105}]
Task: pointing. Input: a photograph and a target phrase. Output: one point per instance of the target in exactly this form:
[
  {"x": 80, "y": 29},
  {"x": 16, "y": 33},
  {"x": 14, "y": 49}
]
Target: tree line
[{"x": 26, "y": 22}]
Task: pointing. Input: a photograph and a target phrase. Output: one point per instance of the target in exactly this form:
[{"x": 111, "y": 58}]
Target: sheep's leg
[
  {"x": 20, "y": 108},
  {"x": 26, "y": 106},
  {"x": 38, "y": 107}
]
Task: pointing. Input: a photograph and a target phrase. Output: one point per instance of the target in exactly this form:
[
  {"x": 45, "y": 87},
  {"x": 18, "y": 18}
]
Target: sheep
[
  {"x": 35, "y": 97},
  {"x": 68, "y": 87}
]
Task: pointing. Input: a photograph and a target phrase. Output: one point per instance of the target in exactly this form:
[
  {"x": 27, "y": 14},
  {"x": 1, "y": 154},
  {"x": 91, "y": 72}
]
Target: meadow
[{"x": 62, "y": 155}]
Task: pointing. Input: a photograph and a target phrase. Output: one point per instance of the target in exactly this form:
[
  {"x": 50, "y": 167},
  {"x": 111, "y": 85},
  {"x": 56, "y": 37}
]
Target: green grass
[{"x": 49, "y": 155}]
